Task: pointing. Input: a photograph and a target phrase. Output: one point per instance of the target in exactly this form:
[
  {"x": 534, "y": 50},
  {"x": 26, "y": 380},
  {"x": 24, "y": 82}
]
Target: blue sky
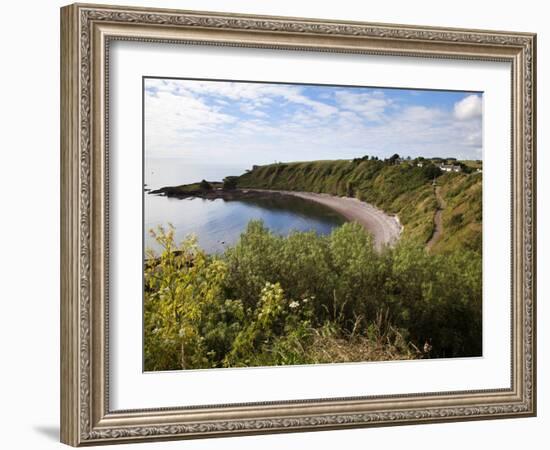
[{"x": 241, "y": 123}]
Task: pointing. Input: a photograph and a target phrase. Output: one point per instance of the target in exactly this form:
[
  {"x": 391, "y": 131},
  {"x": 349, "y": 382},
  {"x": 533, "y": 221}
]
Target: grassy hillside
[
  {"x": 462, "y": 215},
  {"x": 404, "y": 189}
]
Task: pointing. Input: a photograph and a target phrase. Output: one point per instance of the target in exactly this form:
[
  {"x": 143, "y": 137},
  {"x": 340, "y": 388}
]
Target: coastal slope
[
  {"x": 411, "y": 200},
  {"x": 399, "y": 188}
]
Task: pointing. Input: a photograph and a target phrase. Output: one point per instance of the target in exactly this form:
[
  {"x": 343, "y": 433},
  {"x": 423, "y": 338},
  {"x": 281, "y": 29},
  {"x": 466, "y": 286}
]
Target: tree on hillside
[
  {"x": 205, "y": 185},
  {"x": 393, "y": 158},
  {"x": 465, "y": 168},
  {"x": 230, "y": 183},
  {"x": 431, "y": 171}
]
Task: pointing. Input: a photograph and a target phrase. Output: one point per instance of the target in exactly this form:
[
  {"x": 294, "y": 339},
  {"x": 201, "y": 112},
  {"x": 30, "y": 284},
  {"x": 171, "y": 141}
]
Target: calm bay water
[{"x": 219, "y": 223}]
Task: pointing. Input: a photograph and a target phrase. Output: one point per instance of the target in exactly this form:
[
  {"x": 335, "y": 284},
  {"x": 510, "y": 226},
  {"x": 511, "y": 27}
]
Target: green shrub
[{"x": 305, "y": 298}]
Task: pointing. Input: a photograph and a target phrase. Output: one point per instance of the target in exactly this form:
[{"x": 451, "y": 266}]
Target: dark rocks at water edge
[{"x": 216, "y": 192}]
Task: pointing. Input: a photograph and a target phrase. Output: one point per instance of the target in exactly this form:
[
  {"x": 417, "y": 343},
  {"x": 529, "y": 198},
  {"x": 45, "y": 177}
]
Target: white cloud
[
  {"x": 174, "y": 116},
  {"x": 252, "y": 109},
  {"x": 421, "y": 114},
  {"x": 318, "y": 108},
  {"x": 254, "y": 123},
  {"x": 371, "y": 105},
  {"x": 468, "y": 108}
]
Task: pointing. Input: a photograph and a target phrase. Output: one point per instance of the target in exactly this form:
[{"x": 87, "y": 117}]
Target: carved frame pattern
[{"x": 94, "y": 423}]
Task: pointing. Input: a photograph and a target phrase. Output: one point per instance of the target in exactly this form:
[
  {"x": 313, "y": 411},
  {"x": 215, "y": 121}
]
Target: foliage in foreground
[{"x": 305, "y": 299}]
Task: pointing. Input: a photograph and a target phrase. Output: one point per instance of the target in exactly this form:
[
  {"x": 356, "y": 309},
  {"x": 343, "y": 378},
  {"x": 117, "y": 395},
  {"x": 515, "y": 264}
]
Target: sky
[{"x": 243, "y": 123}]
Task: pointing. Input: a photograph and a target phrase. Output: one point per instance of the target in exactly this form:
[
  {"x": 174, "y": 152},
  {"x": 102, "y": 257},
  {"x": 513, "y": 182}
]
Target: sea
[{"x": 219, "y": 223}]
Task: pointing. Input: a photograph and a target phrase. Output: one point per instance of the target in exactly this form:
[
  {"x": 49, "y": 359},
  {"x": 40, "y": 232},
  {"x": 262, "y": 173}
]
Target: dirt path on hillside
[
  {"x": 385, "y": 228},
  {"x": 438, "y": 218}
]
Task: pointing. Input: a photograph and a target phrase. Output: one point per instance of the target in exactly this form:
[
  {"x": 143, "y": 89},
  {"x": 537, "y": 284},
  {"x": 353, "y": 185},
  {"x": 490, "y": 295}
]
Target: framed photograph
[{"x": 278, "y": 224}]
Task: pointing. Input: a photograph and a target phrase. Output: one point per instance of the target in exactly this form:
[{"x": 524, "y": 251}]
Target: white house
[{"x": 449, "y": 168}]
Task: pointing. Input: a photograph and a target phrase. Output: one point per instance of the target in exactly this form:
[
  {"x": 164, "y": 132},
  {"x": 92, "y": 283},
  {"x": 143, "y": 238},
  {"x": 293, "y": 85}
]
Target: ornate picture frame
[{"x": 86, "y": 34}]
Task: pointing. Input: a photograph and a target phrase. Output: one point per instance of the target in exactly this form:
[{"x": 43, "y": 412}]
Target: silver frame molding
[{"x": 86, "y": 31}]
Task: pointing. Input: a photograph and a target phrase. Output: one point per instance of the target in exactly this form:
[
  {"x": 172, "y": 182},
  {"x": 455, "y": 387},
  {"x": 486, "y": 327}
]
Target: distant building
[
  {"x": 449, "y": 168},
  {"x": 255, "y": 167}
]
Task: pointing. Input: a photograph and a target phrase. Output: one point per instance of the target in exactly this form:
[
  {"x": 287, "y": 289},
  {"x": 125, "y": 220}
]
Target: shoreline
[{"x": 385, "y": 228}]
